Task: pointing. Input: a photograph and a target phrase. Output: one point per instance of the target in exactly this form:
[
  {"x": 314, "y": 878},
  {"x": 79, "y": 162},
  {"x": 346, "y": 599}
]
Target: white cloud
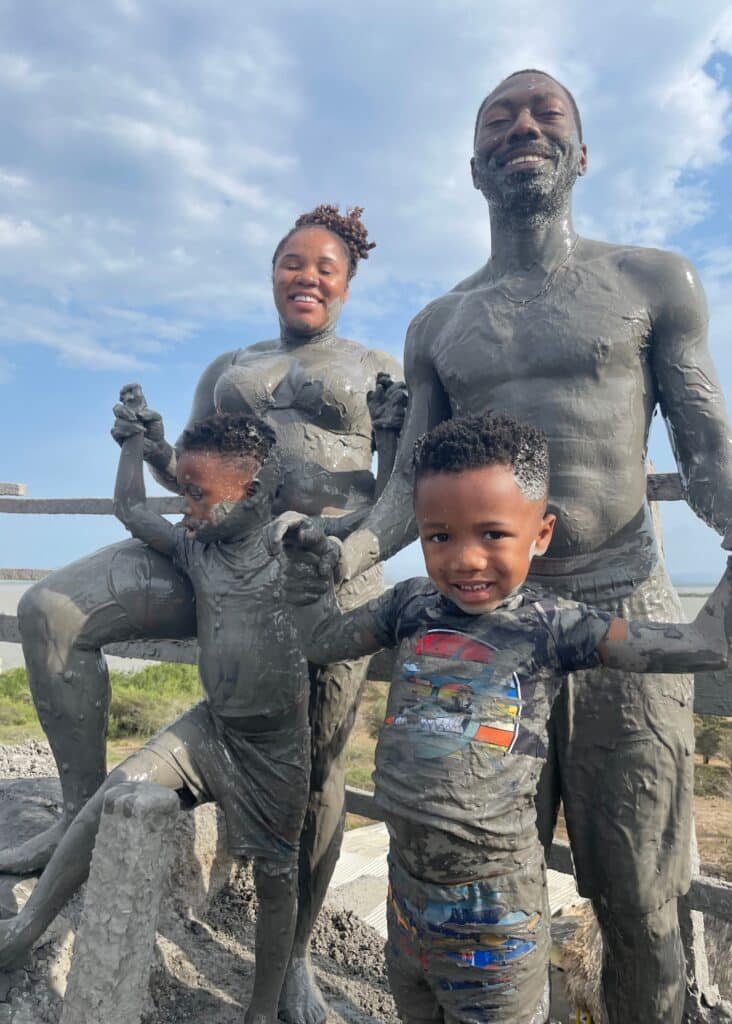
[
  {"x": 20, "y": 232},
  {"x": 155, "y": 153}
]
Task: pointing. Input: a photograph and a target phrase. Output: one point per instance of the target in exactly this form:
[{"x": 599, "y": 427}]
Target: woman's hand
[{"x": 387, "y": 403}]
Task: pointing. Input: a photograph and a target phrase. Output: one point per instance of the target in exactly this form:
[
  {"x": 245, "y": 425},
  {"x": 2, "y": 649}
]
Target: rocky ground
[{"x": 203, "y": 960}]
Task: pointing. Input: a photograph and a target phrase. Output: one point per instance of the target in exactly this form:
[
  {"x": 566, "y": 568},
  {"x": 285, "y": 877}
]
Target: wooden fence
[{"x": 713, "y": 690}]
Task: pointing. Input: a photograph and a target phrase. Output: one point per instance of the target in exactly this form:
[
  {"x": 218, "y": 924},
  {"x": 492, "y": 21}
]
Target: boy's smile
[{"x": 479, "y": 533}]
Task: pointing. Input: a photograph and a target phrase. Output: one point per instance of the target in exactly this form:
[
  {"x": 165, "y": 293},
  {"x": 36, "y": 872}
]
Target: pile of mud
[{"x": 203, "y": 961}]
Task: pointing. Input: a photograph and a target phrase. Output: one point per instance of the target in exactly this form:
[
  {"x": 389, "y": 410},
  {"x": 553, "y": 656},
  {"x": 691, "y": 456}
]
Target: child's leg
[
  {"x": 414, "y": 998},
  {"x": 478, "y": 949},
  {"x": 276, "y": 884},
  {"x": 69, "y": 866}
]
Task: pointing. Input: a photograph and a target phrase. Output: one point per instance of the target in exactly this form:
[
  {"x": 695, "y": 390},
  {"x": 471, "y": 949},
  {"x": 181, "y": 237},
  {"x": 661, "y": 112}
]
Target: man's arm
[
  {"x": 129, "y": 499},
  {"x": 390, "y": 524},
  {"x": 689, "y": 392},
  {"x": 663, "y": 647}
]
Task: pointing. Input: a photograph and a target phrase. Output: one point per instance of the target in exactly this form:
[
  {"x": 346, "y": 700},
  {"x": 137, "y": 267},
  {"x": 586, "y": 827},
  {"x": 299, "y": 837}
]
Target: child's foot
[
  {"x": 14, "y": 944},
  {"x": 301, "y": 1001},
  {"x": 32, "y": 855}
]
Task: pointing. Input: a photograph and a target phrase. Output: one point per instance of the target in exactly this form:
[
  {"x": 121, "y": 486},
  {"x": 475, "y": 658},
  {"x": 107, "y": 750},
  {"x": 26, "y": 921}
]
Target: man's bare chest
[{"x": 574, "y": 336}]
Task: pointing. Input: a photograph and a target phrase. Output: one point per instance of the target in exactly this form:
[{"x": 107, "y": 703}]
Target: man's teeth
[
  {"x": 525, "y": 160},
  {"x": 304, "y": 298},
  {"x": 472, "y": 586}
]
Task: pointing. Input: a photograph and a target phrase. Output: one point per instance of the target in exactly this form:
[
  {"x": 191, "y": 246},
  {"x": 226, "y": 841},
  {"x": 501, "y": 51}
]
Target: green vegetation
[
  {"x": 18, "y": 720},
  {"x": 142, "y": 702}
]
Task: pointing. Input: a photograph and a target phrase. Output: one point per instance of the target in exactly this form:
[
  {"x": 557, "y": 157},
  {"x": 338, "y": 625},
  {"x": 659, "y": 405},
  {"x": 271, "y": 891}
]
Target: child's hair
[
  {"x": 230, "y": 434},
  {"x": 471, "y": 442},
  {"x": 350, "y": 229}
]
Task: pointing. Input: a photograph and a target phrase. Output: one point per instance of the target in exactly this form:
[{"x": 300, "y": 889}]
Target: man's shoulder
[
  {"x": 639, "y": 261},
  {"x": 439, "y": 311}
]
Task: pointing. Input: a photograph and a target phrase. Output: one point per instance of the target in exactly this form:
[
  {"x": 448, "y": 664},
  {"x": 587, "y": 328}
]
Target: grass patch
[
  {"x": 142, "y": 702},
  {"x": 712, "y": 780}
]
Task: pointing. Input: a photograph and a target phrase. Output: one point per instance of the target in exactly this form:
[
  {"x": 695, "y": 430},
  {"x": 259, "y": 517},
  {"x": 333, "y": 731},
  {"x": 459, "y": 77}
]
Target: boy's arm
[
  {"x": 327, "y": 634},
  {"x": 129, "y": 499},
  {"x": 663, "y": 647}
]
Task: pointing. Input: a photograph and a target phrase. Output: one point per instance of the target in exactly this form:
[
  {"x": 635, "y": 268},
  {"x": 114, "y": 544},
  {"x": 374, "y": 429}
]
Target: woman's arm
[
  {"x": 701, "y": 645},
  {"x": 387, "y": 404}
]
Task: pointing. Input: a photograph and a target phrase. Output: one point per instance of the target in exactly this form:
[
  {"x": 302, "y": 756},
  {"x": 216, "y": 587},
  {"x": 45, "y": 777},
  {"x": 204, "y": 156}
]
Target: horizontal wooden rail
[
  {"x": 711, "y": 895},
  {"x": 82, "y": 506},
  {"x": 660, "y": 487}
]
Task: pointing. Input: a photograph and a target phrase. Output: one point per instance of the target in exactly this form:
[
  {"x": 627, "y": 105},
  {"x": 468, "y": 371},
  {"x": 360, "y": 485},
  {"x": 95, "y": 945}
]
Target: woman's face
[{"x": 310, "y": 280}]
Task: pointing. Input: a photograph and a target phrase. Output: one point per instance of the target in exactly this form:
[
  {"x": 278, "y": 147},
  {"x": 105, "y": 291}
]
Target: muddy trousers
[
  {"x": 643, "y": 960},
  {"x": 470, "y": 953},
  {"x": 620, "y": 758}
]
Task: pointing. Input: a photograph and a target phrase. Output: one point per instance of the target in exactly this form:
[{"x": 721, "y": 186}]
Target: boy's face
[
  {"x": 478, "y": 533},
  {"x": 212, "y": 484}
]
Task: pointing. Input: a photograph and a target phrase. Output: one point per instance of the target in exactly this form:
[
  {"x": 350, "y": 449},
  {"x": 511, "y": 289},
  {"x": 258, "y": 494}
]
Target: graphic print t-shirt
[{"x": 465, "y": 735}]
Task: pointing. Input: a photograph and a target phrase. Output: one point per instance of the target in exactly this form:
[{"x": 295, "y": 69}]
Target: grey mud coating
[
  {"x": 585, "y": 340},
  {"x": 312, "y": 390}
]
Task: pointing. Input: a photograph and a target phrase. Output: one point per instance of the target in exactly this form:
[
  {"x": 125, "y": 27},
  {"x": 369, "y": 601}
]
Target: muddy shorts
[
  {"x": 259, "y": 779},
  {"x": 469, "y": 953},
  {"x": 621, "y": 759}
]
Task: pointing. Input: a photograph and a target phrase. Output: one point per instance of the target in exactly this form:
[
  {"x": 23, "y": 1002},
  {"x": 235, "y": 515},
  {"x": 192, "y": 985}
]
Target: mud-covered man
[{"x": 585, "y": 340}]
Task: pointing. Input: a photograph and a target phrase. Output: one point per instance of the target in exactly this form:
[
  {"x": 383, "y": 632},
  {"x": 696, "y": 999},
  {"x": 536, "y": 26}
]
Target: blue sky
[{"x": 153, "y": 153}]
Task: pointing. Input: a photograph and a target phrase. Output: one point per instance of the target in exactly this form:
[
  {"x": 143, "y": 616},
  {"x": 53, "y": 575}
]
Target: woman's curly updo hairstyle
[{"x": 349, "y": 228}]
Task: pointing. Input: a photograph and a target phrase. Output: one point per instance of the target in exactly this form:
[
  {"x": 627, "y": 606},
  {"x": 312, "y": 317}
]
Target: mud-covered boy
[
  {"x": 247, "y": 745},
  {"x": 480, "y": 658}
]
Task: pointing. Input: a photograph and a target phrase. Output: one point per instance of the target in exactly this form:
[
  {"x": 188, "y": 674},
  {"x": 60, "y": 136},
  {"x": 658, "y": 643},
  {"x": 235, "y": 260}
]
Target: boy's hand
[
  {"x": 311, "y": 556},
  {"x": 387, "y": 403},
  {"x": 133, "y": 415}
]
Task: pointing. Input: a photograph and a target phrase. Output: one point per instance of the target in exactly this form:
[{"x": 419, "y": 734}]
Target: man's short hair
[
  {"x": 531, "y": 71},
  {"x": 472, "y": 442},
  {"x": 230, "y": 434}
]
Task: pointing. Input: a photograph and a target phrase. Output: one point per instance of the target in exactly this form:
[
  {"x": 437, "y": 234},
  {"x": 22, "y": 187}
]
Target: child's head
[
  {"x": 219, "y": 471},
  {"x": 480, "y": 498}
]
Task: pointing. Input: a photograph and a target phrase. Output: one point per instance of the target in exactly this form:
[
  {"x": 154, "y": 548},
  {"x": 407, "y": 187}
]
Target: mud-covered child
[
  {"x": 247, "y": 745},
  {"x": 480, "y": 658}
]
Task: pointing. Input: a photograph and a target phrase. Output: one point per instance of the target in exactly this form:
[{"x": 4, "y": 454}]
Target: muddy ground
[{"x": 203, "y": 966}]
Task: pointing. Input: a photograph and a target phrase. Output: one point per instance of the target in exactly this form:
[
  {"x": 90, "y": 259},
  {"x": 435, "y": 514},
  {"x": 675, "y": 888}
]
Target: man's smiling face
[{"x": 527, "y": 147}]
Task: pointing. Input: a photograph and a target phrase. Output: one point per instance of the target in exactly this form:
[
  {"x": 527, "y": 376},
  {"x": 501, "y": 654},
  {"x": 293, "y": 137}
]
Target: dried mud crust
[{"x": 204, "y": 967}]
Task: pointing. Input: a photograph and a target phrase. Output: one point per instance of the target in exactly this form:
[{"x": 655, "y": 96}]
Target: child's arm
[
  {"x": 701, "y": 645},
  {"x": 129, "y": 499},
  {"x": 327, "y": 634}
]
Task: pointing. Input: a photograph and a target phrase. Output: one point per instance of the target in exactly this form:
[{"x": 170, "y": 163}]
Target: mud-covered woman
[{"x": 311, "y": 386}]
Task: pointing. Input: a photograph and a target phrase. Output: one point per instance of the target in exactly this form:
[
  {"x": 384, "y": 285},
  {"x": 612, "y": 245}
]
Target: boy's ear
[{"x": 544, "y": 536}]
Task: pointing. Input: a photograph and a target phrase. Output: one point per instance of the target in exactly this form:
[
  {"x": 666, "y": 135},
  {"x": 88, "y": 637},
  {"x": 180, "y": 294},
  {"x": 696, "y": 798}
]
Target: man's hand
[
  {"x": 387, "y": 403},
  {"x": 132, "y": 415},
  {"x": 311, "y": 556}
]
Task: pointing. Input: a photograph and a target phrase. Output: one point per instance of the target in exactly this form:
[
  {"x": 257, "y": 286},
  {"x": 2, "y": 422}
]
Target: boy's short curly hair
[
  {"x": 471, "y": 442},
  {"x": 230, "y": 434},
  {"x": 349, "y": 227}
]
